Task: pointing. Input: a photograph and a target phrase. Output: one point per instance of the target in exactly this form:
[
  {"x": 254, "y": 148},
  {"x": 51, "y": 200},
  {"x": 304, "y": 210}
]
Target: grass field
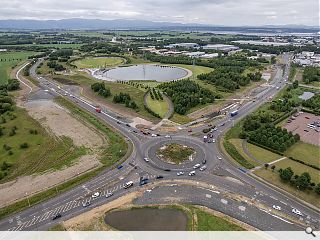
[
  {"x": 298, "y": 168},
  {"x": 209, "y": 222},
  {"x": 306, "y": 152},
  {"x": 158, "y": 106},
  {"x": 8, "y": 60},
  {"x": 262, "y": 154},
  {"x": 44, "y": 151},
  {"x": 99, "y": 62},
  {"x": 181, "y": 119}
]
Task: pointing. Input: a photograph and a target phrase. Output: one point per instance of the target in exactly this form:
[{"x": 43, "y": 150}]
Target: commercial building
[{"x": 220, "y": 47}]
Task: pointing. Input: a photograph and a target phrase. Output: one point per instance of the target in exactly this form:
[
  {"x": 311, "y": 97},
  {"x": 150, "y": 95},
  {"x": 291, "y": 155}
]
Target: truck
[{"x": 234, "y": 113}]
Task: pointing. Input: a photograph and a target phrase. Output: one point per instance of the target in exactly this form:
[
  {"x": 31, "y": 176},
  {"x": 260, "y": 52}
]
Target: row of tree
[
  {"x": 125, "y": 98},
  {"x": 302, "y": 182},
  {"x": 229, "y": 78},
  {"x": 56, "y": 66},
  {"x": 186, "y": 94},
  {"x": 274, "y": 137},
  {"x": 101, "y": 89},
  {"x": 311, "y": 74},
  {"x": 155, "y": 94}
]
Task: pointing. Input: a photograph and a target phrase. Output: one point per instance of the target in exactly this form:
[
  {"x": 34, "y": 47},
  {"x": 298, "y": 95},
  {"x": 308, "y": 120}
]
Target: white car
[
  {"x": 146, "y": 159},
  {"x": 276, "y": 207},
  {"x": 220, "y": 158},
  {"x": 153, "y": 135},
  {"x": 204, "y": 167},
  {"x": 296, "y": 211},
  {"x": 95, "y": 195},
  {"x": 213, "y": 140},
  {"x": 196, "y": 166},
  {"x": 109, "y": 194},
  {"x": 167, "y": 136},
  {"x": 46, "y": 90},
  {"x": 180, "y": 173},
  {"x": 192, "y": 173}
]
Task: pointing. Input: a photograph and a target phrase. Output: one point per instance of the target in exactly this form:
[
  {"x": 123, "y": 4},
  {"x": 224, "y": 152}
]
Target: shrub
[{"x": 24, "y": 145}]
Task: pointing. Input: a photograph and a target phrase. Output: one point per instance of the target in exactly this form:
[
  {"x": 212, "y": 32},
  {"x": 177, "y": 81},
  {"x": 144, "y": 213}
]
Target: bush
[
  {"x": 24, "y": 145},
  {"x": 6, "y": 147},
  {"x": 232, "y": 151}
]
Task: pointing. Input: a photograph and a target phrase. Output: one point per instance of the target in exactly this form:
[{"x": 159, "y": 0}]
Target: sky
[{"x": 213, "y": 12}]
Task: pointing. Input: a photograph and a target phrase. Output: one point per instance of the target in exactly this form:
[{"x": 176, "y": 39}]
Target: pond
[
  {"x": 148, "y": 219},
  {"x": 159, "y": 73}
]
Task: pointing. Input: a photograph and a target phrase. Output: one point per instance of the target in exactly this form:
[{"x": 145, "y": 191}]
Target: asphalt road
[{"x": 225, "y": 183}]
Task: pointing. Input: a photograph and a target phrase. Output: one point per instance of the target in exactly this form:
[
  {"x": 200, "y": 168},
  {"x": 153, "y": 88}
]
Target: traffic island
[{"x": 176, "y": 153}]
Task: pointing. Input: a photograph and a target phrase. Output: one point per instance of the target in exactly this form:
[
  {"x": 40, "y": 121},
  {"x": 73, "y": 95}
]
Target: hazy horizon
[{"x": 208, "y": 12}]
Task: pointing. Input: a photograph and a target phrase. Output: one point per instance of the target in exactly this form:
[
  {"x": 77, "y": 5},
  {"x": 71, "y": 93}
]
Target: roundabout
[{"x": 164, "y": 153}]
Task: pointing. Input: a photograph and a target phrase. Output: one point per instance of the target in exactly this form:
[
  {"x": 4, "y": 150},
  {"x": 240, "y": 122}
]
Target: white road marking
[
  {"x": 242, "y": 208},
  {"x": 224, "y": 201},
  {"x": 283, "y": 203},
  {"x": 208, "y": 196}
]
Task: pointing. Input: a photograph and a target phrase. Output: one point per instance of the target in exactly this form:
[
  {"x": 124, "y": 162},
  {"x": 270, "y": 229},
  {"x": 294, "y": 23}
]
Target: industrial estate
[{"x": 159, "y": 129}]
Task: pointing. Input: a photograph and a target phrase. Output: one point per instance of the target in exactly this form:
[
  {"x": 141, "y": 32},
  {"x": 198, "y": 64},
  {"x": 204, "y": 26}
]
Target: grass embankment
[
  {"x": 9, "y": 60},
  {"x": 160, "y": 107},
  {"x": 116, "y": 150},
  {"x": 262, "y": 154},
  {"x": 99, "y": 62},
  {"x": 175, "y": 153},
  {"x": 44, "y": 152},
  {"x": 298, "y": 168},
  {"x": 306, "y": 152}
]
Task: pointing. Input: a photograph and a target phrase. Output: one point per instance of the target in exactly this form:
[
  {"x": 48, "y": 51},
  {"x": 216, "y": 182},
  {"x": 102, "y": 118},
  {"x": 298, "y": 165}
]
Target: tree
[
  {"x": 273, "y": 167},
  {"x": 266, "y": 165},
  {"x": 317, "y": 189},
  {"x": 295, "y": 84},
  {"x": 286, "y": 174},
  {"x": 303, "y": 181}
]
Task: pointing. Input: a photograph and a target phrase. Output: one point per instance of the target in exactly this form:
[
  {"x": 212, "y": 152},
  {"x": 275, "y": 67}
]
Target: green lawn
[
  {"x": 209, "y": 222},
  {"x": 158, "y": 106},
  {"x": 98, "y": 62},
  {"x": 306, "y": 152},
  {"x": 262, "y": 154},
  {"x": 181, "y": 119},
  {"x": 238, "y": 145},
  {"x": 175, "y": 153},
  {"x": 8, "y": 60},
  {"x": 44, "y": 151},
  {"x": 298, "y": 168}
]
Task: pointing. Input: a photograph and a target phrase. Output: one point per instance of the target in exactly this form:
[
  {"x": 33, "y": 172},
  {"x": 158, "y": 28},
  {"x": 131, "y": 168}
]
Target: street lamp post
[{"x": 28, "y": 199}]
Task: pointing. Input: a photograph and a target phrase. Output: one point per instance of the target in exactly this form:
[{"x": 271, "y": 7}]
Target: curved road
[{"x": 222, "y": 186}]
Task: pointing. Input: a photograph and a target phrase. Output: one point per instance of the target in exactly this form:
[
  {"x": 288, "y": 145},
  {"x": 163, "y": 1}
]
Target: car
[
  {"x": 209, "y": 141},
  {"x": 277, "y": 88},
  {"x": 220, "y": 158},
  {"x": 55, "y": 217},
  {"x": 180, "y": 173},
  {"x": 167, "y": 136},
  {"x": 118, "y": 122},
  {"x": 204, "y": 167},
  {"x": 159, "y": 177},
  {"x": 204, "y": 161},
  {"x": 95, "y": 195},
  {"x": 276, "y": 207},
  {"x": 190, "y": 130},
  {"x": 143, "y": 181},
  {"x": 213, "y": 140},
  {"x": 135, "y": 131},
  {"x": 209, "y": 125},
  {"x": 128, "y": 184},
  {"x": 192, "y": 173},
  {"x": 153, "y": 135},
  {"x": 167, "y": 170},
  {"x": 46, "y": 90},
  {"x": 296, "y": 211},
  {"x": 222, "y": 124},
  {"x": 196, "y": 166},
  {"x": 119, "y": 167},
  {"x": 128, "y": 125},
  {"x": 146, "y": 159},
  {"x": 109, "y": 194},
  {"x": 86, "y": 204}
]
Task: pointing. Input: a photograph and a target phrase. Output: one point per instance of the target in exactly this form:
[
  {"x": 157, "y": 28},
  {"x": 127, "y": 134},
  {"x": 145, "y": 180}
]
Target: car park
[
  {"x": 204, "y": 167},
  {"x": 276, "y": 207},
  {"x": 95, "y": 195},
  {"x": 192, "y": 173},
  {"x": 196, "y": 166},
  {"x": 109, "y": 194},
  {"x": 55, "y": 217},
  {"x": 180, "y": 173}
]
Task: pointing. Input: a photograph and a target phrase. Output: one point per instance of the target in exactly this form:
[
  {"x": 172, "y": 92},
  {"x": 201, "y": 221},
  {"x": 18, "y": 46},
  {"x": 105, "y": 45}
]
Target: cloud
[{"x": 215, "y": 12}]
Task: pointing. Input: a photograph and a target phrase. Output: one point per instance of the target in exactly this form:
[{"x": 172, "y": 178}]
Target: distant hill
[{"x": 94, "y": 24}]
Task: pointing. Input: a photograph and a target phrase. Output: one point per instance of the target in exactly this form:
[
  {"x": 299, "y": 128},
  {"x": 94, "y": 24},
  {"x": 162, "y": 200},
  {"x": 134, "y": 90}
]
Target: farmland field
[{"x": 9, "y": 60}]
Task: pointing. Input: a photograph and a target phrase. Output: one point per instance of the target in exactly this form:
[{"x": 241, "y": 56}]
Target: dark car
[
  {"x": 167, "y": 170},
  {"x": 55, "y": 217},
  {"x": 128, "y": 125},
  {"x": 159, "y": 177},
  {"x": 118, "y": 122},
  {"x": 204, "y": 161}
]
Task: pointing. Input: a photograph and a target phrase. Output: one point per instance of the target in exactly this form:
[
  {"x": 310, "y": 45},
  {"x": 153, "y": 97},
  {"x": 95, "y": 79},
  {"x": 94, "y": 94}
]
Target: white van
[{"x": 128, "y": 184}]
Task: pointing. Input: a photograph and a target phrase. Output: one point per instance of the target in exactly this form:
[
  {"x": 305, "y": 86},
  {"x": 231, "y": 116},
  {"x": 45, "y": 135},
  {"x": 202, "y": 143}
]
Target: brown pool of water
[{"x": 148, "y": 219}]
